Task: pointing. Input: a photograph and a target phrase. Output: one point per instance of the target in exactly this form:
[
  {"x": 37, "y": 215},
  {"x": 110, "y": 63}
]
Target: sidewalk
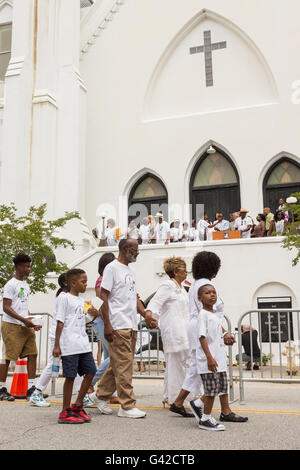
[{"x": 273, "y": 411}]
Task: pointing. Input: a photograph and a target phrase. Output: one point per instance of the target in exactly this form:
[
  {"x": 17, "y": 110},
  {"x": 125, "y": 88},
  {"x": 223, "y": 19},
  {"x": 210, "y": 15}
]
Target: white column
[
  {"x": 17, "y": 117},
  {"x": 70, "y": 192},
  {"x": 45, "y": 106},
  {"x": 44, "y": 114}
]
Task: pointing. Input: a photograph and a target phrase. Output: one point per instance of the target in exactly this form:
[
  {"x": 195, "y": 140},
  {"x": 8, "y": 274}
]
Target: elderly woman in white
[{"x": 170, "y": 305}]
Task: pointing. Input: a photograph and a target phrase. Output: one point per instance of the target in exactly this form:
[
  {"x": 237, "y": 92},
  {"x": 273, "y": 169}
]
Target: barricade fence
[
  {"x": 148, "y": 354},
  {"x": 272, "y": 335},
  {"x": 150, "y": 359},
  {"x": 42, "y": 342}
]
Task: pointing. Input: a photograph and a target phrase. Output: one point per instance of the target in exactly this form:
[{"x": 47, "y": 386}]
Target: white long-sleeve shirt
[{"x": 170, "y": 305}]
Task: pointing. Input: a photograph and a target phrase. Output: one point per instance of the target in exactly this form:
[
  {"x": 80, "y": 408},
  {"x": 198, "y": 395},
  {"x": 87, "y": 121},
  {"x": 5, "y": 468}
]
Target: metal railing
[
  {"x": 276, "y": 372},
  {"x": 150, "y": 352},
  {"x": 42, "y": 342}
]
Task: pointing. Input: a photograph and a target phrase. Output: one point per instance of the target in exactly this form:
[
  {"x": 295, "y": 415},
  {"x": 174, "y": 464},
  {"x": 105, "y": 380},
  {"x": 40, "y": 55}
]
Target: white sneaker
[
  {"x": 101, "y": 404},
  {"x": 211, "y": 425},
  {"x": 37, "y": 399},
  {"x": 87, "y": 402},
  {"x": 134, "y": 413}
]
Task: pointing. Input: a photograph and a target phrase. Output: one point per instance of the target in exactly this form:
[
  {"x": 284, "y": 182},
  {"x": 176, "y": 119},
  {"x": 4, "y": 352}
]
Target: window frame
[{"x": 5, "y": 52}]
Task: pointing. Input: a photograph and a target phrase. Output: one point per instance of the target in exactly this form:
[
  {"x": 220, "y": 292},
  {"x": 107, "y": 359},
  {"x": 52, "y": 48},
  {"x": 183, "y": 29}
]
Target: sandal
[
  {"x": 233, "y": 418},
  {"x": 181, "y": 411}
]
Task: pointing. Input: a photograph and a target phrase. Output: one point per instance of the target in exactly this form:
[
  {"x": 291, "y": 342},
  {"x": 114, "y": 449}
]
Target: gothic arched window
[
  {"x": 147, "y": 197},
  {"x": 214, "y": 184},
  {"x": 281, "y": 180}
]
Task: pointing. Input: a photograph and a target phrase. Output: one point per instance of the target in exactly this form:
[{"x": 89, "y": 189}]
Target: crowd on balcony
[{"x": 156, "y": 230}]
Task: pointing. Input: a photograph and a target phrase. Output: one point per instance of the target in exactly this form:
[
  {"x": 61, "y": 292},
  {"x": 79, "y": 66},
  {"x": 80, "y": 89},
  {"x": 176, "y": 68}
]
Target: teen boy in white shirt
[{"x": 18, "y": 331}]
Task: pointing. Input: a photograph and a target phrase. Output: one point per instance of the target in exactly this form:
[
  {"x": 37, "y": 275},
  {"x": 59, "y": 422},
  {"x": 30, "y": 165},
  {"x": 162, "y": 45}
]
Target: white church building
[{"x": 110, "y": 103}]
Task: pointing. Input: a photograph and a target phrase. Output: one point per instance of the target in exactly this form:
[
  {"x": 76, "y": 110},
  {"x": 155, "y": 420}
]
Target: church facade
[{"x": 172, "y": 105}]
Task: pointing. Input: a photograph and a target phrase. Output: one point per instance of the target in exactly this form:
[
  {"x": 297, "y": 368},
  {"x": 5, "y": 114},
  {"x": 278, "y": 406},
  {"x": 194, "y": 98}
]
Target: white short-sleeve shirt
[
  {"x": 162, "y": 232},
  {"x": 119, "y": 279},
  {"x": 195, "y": 308},
  {"x": 145, "y": 233},
  {"x": 18, "y": 292},
  {"x": 70, "y": 311},
  {"x": 175, "y": 233},
  {"x": 242, "y": 224},
  {"x": 210, "y": 327}
]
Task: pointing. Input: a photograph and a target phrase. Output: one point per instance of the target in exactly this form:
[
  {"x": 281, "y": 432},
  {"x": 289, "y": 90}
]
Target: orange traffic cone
[{"x": 19, "y": 384}]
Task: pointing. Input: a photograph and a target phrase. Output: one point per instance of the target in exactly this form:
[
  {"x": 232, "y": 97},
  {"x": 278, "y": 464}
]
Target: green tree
[
  {"x": 34, "y": 235},
  {"x": 292, "y": 236}
]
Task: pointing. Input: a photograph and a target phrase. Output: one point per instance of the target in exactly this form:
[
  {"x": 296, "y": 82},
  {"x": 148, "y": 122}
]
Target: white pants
[
  {"x": 46, "y": 375},
  {"x": 192, "y": 382},
  {"x": 177, "y": 366}
]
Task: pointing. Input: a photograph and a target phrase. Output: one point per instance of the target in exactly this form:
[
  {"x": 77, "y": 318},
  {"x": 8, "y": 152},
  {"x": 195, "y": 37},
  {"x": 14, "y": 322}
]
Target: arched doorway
[
  {"x": 215, "y": 184},
  {"x": 147, "y": 196},
  {"x": 281, "y": 180}
]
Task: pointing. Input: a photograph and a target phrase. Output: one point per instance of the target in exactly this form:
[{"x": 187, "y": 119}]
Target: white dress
[{"x": 171, "y": 306}]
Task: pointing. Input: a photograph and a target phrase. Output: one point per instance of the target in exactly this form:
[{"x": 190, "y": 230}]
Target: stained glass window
[
  {"x": 149, "y": 188},
  {"x": 214, "y": 170},
  {"x": 285, "y": 172}
]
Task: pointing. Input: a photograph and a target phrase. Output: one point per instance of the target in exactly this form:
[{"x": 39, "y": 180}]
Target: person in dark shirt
[{"x": 246, "y": 343}]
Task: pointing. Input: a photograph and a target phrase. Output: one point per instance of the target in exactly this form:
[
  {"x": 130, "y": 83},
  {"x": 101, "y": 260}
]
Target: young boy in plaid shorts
[{"x": 212, "y": 363}]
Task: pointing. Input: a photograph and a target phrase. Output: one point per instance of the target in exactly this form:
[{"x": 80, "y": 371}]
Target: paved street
[{"x": 273, "y": 411}]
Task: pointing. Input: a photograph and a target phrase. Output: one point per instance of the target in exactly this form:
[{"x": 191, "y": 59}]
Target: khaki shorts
[{"x": 19, "y": 341}]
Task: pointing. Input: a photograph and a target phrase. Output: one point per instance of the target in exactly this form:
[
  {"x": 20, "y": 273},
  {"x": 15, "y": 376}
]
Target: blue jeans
[{"x": 98, "y": 327}]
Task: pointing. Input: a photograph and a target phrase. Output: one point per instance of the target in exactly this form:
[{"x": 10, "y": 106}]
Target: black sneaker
[
  {"x": 31, "y": 390},
  {"x": 196, "y": 410},
  {"x": 4, "y": 395},
  {"x": 211, "y": 425}
]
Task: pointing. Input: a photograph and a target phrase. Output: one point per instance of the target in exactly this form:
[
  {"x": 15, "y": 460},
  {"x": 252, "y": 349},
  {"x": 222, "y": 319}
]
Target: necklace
[{"x": 177, "y": 283}]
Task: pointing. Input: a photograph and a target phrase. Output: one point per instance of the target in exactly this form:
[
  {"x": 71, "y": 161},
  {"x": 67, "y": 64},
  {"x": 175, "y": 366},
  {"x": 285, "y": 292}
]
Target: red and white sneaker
[
  {"x": 69, "y": 417},
  {"x": 79, "y": 411}
]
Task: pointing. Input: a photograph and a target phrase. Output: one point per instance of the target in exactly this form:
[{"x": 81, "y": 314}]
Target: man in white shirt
[
  {"x": 221, "y": 225},
  {"x": 244, "y": 223},
  {"x": 18, "y": 331},
  {"x": 162, "y": 230},
  {"x": 119, "y": 310}
]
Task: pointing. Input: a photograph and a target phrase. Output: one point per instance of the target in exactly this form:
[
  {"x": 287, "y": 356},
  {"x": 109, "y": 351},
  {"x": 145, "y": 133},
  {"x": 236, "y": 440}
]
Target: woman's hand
[
  {"x": 229, "y": 339},
  {"x": 150, "y": 321}
]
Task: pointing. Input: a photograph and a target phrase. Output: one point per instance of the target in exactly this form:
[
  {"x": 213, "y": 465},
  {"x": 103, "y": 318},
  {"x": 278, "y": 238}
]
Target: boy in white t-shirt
[
  {"x": 18, "y": 331},
  {"x": 72, "y": 344},
  {"x": 212, "y": 362}
]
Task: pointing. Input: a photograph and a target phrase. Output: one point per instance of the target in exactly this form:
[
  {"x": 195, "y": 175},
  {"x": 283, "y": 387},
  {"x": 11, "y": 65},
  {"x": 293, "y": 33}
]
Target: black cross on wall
[{"x": 207, "y": 49}]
